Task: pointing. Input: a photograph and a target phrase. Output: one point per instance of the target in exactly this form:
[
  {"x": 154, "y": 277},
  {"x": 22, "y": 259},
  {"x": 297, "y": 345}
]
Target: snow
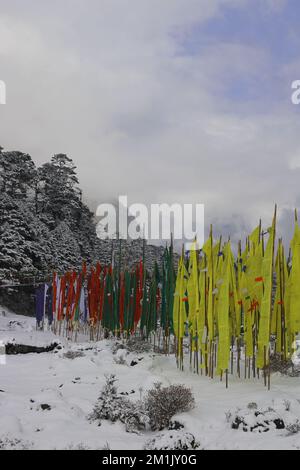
[
  {"x": 17, "y": 329},
  {"x": 72, "y": 386}
]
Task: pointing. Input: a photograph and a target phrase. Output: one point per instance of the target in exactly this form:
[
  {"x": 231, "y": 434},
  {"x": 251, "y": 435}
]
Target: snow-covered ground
[{"x": 71, "y": 386}]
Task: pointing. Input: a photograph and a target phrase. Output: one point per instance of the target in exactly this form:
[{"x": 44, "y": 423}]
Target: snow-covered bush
[
  {"x": 287, "y": 405},
  {"x": 285, "y": 367},
  {"x": 113, "y": 407},
  {"x": 228, "y": 416},
  {"x": 294, "y": 371},
  {"x": 278, "y": 364},
  {"x": 106, "y": 446},
  {"x": 162, "y": 403},
  {"x": 73, "y": 354},
  {"x": 138, "y": 345},
  {"x": 9, "y": 443},
  {"x": 172, "y": 440},
  {"x": 293, "y": 428},
  {"x": 134, "y": 344},
  {"x": 80, "y": 446},
  {"x": 133, "y": 415},
  {"x": 120, "y": 360},
  {"x": 252, "y": 405},
  {"x": 116, "y": 346},
  {"x": 120, "y": 356},
  {"x": 255, "y": 420},
  {"x": 283, "y": 414}
]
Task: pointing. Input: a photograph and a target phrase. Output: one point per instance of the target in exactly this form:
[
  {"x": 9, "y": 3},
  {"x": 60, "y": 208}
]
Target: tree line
[{"x": 44, "y": 224}]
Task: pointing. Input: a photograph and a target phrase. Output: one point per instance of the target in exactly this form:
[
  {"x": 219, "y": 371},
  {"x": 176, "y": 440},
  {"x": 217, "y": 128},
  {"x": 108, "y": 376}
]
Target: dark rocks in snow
[
  {"x": 175, "y": 426},
  {"x": 12, "y": 348},
  {"x": 76, "y": 380},
  {"x": 133, "y": 363},
  {"x": 253, "y": 420},
  {"x": 14, "y": 323},
  {"x": 45, "y": 407},
  {"x": 279, "y": 423}
]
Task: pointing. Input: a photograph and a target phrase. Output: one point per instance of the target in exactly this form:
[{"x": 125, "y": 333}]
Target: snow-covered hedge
[
  {"x": 156, "y": 410},
  {"x": 111, "y": 406},
  {"x": 172, "y": 440},
  {"x": 12, "y": 443},
  {"x": 264, "y": 419}
]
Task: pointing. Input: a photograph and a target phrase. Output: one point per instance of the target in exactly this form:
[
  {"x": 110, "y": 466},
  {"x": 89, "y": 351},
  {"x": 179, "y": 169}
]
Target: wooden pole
[{"x": 269, "y": 371}]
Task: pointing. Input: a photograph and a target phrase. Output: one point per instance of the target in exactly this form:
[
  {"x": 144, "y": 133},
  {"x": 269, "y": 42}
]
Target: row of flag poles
[
  {"x": 105, "y": 301},
  {"x": 239, "y": 311},
  {"x": 224, "y": 311}
]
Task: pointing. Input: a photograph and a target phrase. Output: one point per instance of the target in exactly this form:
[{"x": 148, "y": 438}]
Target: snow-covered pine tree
[
  {"x": 17, "y": 174},
  {"x": 106, "y": 406},
  {"x": 113, "y": 407},
  {"x": 65, "y": 249},
  {"x": 60, "y": 200},
  {"x": 59, "y": 195},
  {"x": 16, "y": 253}
]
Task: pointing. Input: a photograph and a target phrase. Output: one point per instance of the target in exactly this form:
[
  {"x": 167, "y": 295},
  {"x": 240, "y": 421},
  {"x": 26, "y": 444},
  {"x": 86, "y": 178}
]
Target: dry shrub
[{"x": 162, "y": 403}]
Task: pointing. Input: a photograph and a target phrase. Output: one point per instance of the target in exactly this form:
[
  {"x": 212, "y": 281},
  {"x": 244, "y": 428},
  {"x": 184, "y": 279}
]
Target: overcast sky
[{"x": 162, "y": 100}]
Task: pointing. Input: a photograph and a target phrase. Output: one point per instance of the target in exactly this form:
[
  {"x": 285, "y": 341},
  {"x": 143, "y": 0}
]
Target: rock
[
  {"x": 133, "y": 363},
  {"x": 45, "y": 406},
  {"x": 175, "y": 425},
  {"x": 279, "y": 423},
  {"x": 12, "y": 348}
]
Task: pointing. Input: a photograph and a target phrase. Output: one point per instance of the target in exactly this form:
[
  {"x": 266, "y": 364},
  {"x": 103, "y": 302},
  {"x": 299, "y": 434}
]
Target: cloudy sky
[{"x": 162, "y": 100}]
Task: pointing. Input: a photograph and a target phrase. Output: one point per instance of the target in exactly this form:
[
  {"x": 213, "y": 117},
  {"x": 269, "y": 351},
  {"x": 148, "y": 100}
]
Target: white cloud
[{"x": 107, "y": 83}]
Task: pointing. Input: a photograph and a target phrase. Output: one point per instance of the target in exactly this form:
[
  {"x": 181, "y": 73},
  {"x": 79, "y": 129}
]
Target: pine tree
[
  {"x": 59, "y": 195},
  {"x": 17, "y": 174},
  {"x": 60, "y": 200},
  {"x": 106, "y": 406},
  {"x": 16, "y": 251},
  {"x": 65, "y": 249}
]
